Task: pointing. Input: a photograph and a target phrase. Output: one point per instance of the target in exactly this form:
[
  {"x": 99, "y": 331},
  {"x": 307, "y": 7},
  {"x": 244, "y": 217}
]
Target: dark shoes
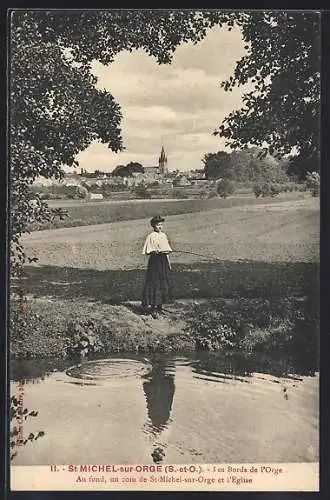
[{"x": 155, "y": 312}]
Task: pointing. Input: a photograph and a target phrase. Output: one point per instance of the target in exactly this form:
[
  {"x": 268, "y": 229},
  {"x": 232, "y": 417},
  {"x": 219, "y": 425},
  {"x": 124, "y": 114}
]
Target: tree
[
  {"x": 218, "y": 165},
  {"x": 283, "y": 64},
  {"x": 247, "y": 165},
  {"x": 259, "y": 167},
  {"x": 56, "y": 110},
  {"x": 313, "y": 183},
  {"x": 120, "y": 171},
  {"x": 134, "y": 167},
  {"x": 225, "y": 188},
  {"x": 117, "y": 170},
  {"x": 300, "y": 166},
  {"x": 76, "y": 192},
  {"x": 128, "y": 170}
]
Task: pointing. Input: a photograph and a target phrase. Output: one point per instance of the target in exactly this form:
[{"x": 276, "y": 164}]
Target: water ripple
[{"x": 109, "y": 369}]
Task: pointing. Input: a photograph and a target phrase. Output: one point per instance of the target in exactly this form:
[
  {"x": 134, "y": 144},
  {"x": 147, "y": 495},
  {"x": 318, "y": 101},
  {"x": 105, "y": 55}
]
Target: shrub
[
  {"x": 266, "y": 189},
  {"x": 76, "y": 192},
  {"x": 254, "y": 325},
  {"x": 212, "y": 194},
  {"x": 274, "y": 190},
  {"x": 288, "y": 188},
  {"x": 302, "y": 187},
  {"x": 82, "y": 339},
  {"x": 225, "y": 188},
  {"x": 257, "y": 190},
  {"x": 82, "y": 192},
  {"x": 210, "y": 331},
  {"x": 312, "y": 183}
]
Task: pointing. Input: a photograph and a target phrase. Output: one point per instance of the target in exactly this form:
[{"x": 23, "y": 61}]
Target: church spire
[
  {"x": 162, "y": 161},
  {"x": 163, "y": 155}
]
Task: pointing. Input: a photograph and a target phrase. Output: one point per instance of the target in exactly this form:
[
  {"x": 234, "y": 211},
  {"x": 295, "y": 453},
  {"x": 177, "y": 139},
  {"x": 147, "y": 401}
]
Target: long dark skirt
[{"x": 158, "y": 285}]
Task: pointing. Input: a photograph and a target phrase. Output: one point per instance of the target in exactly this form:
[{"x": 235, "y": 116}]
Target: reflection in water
[
  {"x": 202, "y": 425},
  {"x": 277, "y": 360},
  {"x": 240, "y": 363},
  {"x": 159, "y": 391},
  {"x": 215, "y": 377}
]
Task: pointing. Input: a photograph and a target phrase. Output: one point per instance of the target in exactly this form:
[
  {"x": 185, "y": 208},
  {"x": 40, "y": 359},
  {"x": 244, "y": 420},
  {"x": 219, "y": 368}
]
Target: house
[
  {"x": 95, "y": 196},
  {"x": 70, "y": 183},
  {"x": 42, "y": 181},
  {"x": 154, "y": 170},
  {"x": 181, "y": 181}
]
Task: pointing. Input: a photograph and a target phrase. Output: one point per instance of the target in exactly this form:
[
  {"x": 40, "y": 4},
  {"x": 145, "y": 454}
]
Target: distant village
[{"x": 147, "y": 176}]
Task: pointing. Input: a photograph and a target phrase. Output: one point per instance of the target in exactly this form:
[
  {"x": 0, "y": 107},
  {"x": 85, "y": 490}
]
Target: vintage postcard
[{"x": 164, "y": 214}]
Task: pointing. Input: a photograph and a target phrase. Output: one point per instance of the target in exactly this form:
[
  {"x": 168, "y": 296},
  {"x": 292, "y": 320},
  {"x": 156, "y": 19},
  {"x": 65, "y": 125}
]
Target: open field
[
  {"x": 249, "y": 250},
  {"x": 285, "y": 231},
  {"x": 82, "y": 213},
  {"x": 262, "y": 255}
]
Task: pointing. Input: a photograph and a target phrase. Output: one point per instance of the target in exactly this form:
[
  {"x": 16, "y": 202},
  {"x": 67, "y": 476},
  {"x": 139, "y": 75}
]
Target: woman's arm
[{"x": 147, "y": 247}]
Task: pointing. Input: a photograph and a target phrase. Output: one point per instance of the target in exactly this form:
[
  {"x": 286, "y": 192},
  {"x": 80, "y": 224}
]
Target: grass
[
  {"x": 266, "y": 264},
  {"x": 84, "y": 213},
  {"x": 117, "y": 327},
  {"x": 245, "y": 279},
  {"x": 284, "y": 231},
  {"x": 278, "y": 335}
]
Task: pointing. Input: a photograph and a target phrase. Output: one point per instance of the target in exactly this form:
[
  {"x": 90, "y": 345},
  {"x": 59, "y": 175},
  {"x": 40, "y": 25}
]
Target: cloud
[
  {"x": 178, "y": 105},
  {"x": 189, "y": 88},
  {"x": 150, "y": 114}
]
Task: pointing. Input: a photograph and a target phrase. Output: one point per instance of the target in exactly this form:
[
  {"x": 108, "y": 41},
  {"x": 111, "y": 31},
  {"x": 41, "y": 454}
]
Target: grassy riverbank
[
  {"x": 117, "y": 327},
  {"x": 281, "y": 332}
]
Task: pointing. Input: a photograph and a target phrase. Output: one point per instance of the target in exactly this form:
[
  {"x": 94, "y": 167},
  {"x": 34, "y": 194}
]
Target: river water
[{"x": 121, "y": 409}]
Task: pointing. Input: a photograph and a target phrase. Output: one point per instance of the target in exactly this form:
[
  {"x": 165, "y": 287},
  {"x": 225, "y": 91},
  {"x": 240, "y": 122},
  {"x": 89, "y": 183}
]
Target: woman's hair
[{"x": 156, "y": 220}]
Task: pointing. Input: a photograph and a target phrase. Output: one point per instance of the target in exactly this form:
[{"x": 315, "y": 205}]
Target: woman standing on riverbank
[{"x": 158, "y": 283}]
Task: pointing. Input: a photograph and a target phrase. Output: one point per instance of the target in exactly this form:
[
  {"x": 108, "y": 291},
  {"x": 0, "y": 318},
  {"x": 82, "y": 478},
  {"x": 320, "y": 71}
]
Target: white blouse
[{"x": 156, "y": 242}]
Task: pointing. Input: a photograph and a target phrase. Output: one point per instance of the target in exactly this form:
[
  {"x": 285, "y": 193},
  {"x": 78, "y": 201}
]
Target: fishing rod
[{"x": 209, "y": 257}]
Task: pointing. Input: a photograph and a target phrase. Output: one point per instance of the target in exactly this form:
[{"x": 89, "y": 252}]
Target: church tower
[{"x": 162, "y": 162}]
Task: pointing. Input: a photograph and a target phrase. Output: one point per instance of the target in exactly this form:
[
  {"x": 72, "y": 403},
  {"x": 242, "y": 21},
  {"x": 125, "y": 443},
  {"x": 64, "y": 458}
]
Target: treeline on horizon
[
  {"x": 248, "y": 165},
  {"x": 254, "y": 165}
]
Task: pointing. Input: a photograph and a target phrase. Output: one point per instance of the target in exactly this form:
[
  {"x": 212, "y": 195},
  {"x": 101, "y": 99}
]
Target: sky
[{"x": 177, "y": 105}]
